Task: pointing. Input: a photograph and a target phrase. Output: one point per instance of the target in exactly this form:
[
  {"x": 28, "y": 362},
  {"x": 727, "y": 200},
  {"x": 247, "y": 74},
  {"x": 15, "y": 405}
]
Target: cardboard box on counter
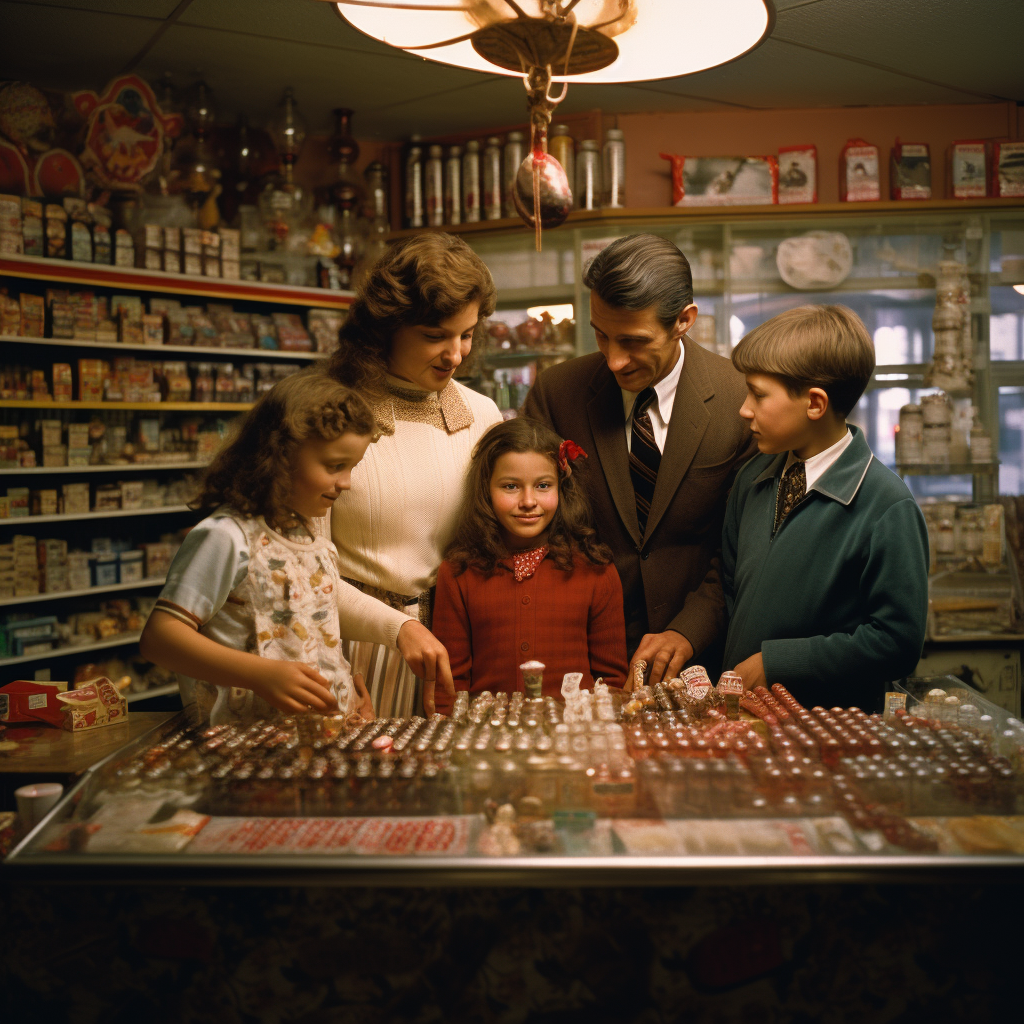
[
  {"x": 92, "y": 705},
  {"x": 26, "y": 700}
]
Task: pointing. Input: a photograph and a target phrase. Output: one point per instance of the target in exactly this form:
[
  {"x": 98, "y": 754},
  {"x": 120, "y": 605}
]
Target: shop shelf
[
  {"x": 156, "y": 691},
  {"x": 258, "y": 354},
  {"x": 24, "y": 522},
  {"x": 11, "y": 602},
  {"x": 97, "y": 275},
  {"x": 949, "y": 469},
  {"x": 128, "y": 467},
  {"x": 754, "y": 286},
  {"x": 122, "y": 640},
  {"x": 15, "y": 403}
]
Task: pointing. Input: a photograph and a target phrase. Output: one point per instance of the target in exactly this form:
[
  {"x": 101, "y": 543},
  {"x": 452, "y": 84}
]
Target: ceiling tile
[
  {"x": 46, "y": 45},
  {"x": 974, "y": 46},
  {"x": 150, "y": 10}
]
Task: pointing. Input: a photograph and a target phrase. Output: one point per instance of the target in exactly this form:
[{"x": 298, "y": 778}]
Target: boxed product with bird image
[{"x": 724, "y": 180}]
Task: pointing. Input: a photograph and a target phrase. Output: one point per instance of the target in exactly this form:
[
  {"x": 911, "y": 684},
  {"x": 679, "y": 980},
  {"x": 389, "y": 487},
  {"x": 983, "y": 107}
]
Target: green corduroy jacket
[{"x": 836, "y": 600}]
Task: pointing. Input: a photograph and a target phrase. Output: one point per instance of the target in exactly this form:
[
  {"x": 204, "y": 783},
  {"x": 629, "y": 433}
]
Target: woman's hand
[
  {"x": 751, "y": 672},
  {"x": 291, "y": 686},
  {"x": 426, "y": 656},
  {"x": 365, "y": 707}
]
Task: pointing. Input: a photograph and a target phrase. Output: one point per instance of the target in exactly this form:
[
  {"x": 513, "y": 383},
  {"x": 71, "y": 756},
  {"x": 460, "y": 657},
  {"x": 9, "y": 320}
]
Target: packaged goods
[
  {"x": 31, "y": 701},
  {"x": 96, "y": 704},
  {"x": 859, "y": 171},
  {"x": 124, "y": 249},
  {"x": 291, "y": 335},
  {"x": 1008, "y": 169},
  {"x": 56, "y": 231},
  {"x": 968, "y": 169},
  {"x": 723, "y": 181},
  {"x": 910, "y": 171},
  {"x": 798, "y": 174},
  {"x": 33, "y": 315}
]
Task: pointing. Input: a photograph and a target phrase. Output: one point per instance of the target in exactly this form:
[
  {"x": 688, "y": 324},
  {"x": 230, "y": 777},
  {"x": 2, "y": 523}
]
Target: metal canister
[
  {"x": 471, "y": 182},
  {"x": 512, "y": 156},
  {"x": 414, "y": 185},
  {"x": 492, "y": 179},
  {"x": 562, "y": 147},
  {"x": 613, "y": 169},
  {"x": 587, "y": 194},
  {"x": 433, "y": 187},
  {"x": 453, "y": 186}
]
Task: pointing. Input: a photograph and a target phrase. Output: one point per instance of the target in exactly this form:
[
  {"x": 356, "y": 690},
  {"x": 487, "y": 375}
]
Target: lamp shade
[{"x": 614, "y": 40}]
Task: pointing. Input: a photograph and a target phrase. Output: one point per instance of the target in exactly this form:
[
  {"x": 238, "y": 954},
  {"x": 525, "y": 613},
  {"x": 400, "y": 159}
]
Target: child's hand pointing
[{"x": 427, "y": 657}]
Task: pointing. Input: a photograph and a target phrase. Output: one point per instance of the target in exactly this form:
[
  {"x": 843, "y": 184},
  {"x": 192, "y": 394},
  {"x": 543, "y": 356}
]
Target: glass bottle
[
  {"x": 471, "y": 182},
  {"x": 414, "y": 185},
  {"x": 453, "y": 186},
  {"x": 613, "y": 169},
  {"x": 562, "y": 147},
  {"x": 376, "y": 211},
  {"x": 587, "y": 194},
  {"x": 492, "y": 201},
  {"x": 433, "y": 187},
  {"x": 512, "y": 156}
]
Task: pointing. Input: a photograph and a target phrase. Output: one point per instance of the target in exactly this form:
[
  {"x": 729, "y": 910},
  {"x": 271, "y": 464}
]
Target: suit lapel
[
  {"x": 686, "y": 428},
  {"x": 608, "y": 425}
]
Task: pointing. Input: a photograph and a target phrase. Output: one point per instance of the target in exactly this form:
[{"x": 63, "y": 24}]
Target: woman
[{"x": 401, "y": 345}]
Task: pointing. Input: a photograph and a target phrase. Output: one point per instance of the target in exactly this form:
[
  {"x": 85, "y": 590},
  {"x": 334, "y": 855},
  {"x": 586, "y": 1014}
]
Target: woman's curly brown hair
[
  {"x": 419, "y": 281},
  {"x": 478, "y": 542},
  {"x": 252, "y": 473}
]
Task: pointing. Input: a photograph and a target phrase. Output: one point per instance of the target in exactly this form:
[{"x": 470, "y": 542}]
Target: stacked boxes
[
  {"x": 32, "y": 235},
  {"x": 10, "y": 225}
]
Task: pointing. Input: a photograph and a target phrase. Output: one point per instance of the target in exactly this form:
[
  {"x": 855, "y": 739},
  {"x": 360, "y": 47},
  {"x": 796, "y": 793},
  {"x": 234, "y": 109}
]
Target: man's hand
[
  {"x": 291, "y": 686},
  {"x": 427, "y": 657},
  {"x": 665, "y": 653},
  {"x": 751, "y": 672},
  {"x": 365, "y": 707}
]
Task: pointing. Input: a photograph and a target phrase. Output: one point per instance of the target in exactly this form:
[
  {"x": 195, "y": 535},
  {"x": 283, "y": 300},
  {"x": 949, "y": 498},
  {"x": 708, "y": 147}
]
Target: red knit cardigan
[{"x": 571, "y": 621}]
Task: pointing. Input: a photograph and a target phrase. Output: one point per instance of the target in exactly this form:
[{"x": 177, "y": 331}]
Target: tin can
[
  {"x": 471, "y": 182},
  {"x": 910, "y": 440},
  {"x": 433, "y": 187},
  {"x": 414, "y": 187},
  {"x": 562, "y": 147},
  {"x": 587, "y": 194},
  {"x": 614, "y": 169},
  {"x": 512, "y": 156},
  {"x": 492, "y": 179},
  {"x": 453, "y": 186}
]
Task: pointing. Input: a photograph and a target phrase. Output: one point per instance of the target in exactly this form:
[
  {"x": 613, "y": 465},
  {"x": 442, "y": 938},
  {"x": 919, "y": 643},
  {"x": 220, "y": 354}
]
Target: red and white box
[
  {"x": 967, "y": 167},
  {"x": 798, "y": 174},
  {"x": 27, "y": 700},
  {"x": 859, "y": 173},
  {"x": 95, "y": 704},
  {"x": 723, "y": 180},
  {"x": 1008, "y": 170}
]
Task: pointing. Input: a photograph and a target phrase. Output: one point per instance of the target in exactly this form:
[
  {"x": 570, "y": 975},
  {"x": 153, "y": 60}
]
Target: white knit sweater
[{"x": 392, "y": 527}]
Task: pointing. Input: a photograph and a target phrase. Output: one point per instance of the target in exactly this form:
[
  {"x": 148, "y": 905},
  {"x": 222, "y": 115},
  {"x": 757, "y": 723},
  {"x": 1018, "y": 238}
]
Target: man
[{"x": 661, "y": 417}]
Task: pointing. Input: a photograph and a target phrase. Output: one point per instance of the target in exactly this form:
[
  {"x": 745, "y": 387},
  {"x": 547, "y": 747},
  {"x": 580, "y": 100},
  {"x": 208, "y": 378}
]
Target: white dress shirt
[
  {"x": 815, "y": 466},
  {"x": 660, "y": 409}
]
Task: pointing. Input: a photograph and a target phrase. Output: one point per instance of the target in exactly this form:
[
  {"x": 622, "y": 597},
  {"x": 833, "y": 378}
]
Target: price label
[{"x": 732, "y": 685}]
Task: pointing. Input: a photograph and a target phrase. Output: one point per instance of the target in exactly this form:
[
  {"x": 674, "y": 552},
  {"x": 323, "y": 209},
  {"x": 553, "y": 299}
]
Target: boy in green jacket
[{"x": 824, "y": 550}]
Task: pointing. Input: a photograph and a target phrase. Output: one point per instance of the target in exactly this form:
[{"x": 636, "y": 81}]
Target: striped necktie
[{"x": 644, "y": 457}]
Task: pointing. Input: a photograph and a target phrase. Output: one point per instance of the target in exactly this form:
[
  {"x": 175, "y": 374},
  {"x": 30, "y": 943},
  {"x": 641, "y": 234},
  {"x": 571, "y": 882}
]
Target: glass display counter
[{"x": 667, "y": 790}]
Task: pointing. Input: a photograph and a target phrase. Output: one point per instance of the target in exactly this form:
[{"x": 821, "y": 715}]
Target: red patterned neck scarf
[{"x": 526, "y": 563}]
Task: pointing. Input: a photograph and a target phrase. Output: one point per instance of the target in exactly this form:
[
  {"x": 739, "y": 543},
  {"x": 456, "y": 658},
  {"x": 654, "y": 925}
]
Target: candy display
[{"x": 683, "y": 768}]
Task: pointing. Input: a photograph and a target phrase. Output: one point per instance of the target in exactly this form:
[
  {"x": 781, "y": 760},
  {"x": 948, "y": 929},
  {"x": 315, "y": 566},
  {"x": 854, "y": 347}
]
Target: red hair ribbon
[{"x": 569, "y": 451}]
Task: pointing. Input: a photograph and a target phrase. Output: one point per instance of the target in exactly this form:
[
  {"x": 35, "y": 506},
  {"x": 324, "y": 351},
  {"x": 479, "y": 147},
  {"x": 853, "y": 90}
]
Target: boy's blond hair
[{"x": 825, "y": 347}]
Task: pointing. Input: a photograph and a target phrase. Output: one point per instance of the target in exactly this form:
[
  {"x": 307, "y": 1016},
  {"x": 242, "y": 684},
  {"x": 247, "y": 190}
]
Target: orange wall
[{"x": 757, "y": 133}]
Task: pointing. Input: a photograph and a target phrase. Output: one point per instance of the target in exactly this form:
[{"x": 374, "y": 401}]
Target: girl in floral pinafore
[{"x": 254, "y": 609}]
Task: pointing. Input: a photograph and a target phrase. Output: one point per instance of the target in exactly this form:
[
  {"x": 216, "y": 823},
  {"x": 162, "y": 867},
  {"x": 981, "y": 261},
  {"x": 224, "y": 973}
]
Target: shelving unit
[
  {"x": 256, "y": 354},
  {"x": 34, "y": 274}
]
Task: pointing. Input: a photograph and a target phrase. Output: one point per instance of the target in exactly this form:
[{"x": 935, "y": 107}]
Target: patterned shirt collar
[
  {"x": 526, "y": 563},
  {"x": 447, "y": 410}
]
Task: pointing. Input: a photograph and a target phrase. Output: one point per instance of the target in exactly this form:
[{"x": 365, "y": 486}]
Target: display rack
[{"x": 34, "y": 271}]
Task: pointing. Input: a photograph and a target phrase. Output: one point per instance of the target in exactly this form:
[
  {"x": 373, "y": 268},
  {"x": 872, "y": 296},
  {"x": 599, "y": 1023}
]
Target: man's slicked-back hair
[{"x": 642, "y": 272}]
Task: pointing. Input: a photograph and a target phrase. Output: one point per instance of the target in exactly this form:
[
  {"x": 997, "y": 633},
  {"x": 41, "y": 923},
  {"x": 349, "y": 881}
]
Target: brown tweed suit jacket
[{"x": 670, "y": 578}]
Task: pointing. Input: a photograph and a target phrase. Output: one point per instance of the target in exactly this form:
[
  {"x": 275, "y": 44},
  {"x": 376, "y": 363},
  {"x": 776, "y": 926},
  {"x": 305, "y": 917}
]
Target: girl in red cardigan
[{"x": 525, "y": 577}]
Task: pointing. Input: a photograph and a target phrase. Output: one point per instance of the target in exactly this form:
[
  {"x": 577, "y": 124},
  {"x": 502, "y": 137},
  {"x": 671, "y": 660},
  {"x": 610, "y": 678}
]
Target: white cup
[{"x": 35, "y": 800}]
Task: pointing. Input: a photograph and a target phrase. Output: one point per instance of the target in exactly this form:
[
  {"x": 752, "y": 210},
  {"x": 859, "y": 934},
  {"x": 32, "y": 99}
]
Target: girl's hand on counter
[
  {"x": 365, "y": 707},
  {"x": 751, "y": 672},
  {"x": 428, "y": 659},
  {"x": 291, "y": 686}
]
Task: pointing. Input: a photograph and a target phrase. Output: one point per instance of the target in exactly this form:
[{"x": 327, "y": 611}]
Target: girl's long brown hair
[
  {"x": 478, "y": 543},
  {"x": 252, "y": 473},
  {"x": 420, "y": 280}
]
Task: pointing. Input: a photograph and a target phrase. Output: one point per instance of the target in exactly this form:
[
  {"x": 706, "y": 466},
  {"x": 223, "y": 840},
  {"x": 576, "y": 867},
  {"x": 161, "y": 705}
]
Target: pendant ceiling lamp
[{"x": 546, "y": 41}]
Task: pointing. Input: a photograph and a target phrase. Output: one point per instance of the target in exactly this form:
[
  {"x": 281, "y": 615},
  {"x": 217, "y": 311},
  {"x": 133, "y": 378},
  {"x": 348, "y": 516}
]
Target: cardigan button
[
  {"x": 526, "y": 600},
  {"x": 524, "y": 646}
]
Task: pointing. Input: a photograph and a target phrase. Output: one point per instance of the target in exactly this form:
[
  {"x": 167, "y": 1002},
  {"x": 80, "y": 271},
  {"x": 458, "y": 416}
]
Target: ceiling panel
[
  {"x": 974, "y": 46},
  {"x": 155, "y": 10},
  {"x": 47, "y": 45}
]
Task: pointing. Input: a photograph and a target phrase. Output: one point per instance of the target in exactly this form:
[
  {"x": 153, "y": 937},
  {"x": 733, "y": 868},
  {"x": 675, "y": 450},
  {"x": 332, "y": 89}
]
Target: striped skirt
[{"x": 394, "y": 690}]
